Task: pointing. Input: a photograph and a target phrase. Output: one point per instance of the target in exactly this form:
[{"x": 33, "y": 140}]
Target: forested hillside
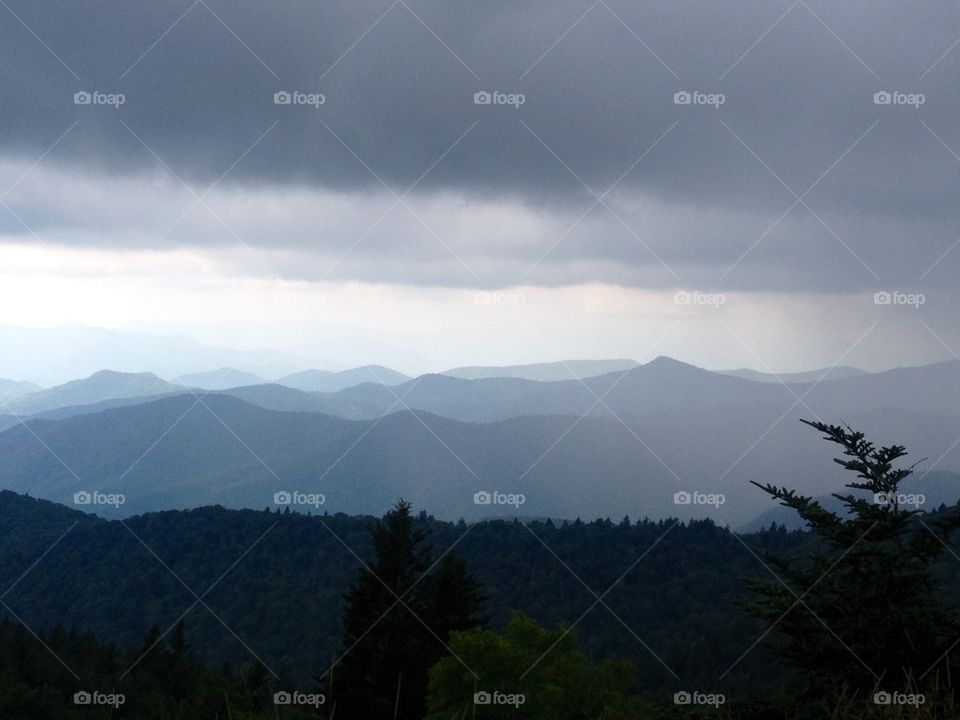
[{"x": 283, "y": 597}]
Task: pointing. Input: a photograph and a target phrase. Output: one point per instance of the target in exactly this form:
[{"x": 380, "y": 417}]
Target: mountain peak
[
  {"x": 665, "y": 362},
  {"x": 118, "y": 375}
]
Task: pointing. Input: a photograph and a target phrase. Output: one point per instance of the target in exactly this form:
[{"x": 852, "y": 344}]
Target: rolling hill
[
  {"x": 663, "y": 388},
  {"x": 809, "y": 376},
  {"x": 544, "y": 372},
  {"x": 219, "y": 379},
  {"x": 10, "y": 389},
  {"x": 211, "y": 452},
  {"x": 327, "y": 381},
  {"x": 657, "y": 429},
  {"x": 101, "y": 386}
]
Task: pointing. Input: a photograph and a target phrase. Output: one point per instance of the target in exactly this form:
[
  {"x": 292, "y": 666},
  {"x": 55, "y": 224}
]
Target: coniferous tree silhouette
[
  {"x": 397, "y": 619},
  {"x": 862, "y": 613}
]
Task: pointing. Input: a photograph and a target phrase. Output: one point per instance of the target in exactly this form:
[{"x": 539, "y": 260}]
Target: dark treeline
[
  {"x": 408, "y": 617},
  {"x": 285, "y": 597}
]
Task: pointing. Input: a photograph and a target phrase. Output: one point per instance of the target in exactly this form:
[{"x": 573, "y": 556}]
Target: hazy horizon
[{"x": 272, "y": 362}]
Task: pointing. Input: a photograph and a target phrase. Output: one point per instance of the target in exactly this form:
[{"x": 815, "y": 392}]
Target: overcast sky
[{"x": 587, "y": 211}]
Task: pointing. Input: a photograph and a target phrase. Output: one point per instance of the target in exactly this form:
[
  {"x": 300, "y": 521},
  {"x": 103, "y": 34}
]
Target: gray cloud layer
[{"x": 799, "y": 119}]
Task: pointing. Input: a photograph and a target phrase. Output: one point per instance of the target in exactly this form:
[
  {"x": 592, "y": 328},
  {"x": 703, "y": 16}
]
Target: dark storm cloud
[{"x": 798, "y": 118}]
